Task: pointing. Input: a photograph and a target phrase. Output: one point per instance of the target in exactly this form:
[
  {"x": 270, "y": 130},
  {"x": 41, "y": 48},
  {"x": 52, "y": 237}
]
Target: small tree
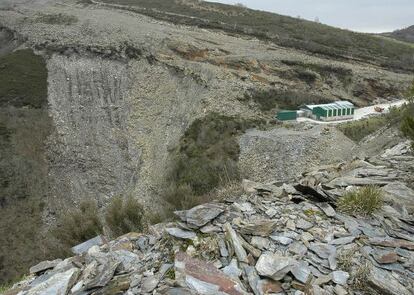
[{"x": 124, "y": 215}]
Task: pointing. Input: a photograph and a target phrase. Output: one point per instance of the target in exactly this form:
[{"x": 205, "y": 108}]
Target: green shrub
[
  {"x": 23, "y": 80},
  {"x": 205, "y": 159},
  {"x": 124, "y": 215},
  {"x": 79, "y": 225},
  {"x": 364, "y": 201},
  {"x": 407, "y": 124},
  {"x": 358, "y": 130}
]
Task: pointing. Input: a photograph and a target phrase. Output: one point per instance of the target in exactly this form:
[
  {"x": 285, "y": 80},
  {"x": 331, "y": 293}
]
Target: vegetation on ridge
[
  {"x": 407, "y": 125},
  {"x": 206, "y": 159},
  {"x": 282, "y": 30}
]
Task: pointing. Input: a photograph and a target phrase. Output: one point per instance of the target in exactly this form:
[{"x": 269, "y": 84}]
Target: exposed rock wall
[{"x": 91, "y": 154}]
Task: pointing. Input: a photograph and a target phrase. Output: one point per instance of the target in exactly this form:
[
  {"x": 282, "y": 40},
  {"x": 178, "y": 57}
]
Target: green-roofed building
[{"x": 339, "y": 110}]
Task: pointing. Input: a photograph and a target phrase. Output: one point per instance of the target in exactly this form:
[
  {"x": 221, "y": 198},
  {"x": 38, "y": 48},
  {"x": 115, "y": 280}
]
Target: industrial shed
[
  {"x": 287, "y": 115},
  {"x": 339, "y": 110}
]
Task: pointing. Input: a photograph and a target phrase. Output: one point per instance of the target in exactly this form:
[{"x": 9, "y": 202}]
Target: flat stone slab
[
  {"x": 180, "y": 233},
  {"x": 393, "y": 243},
  {"x": 203, "y": 277},
  {"x": 200, "y": 215},
  {"x": 58, "y": 284},
  {"x": 274, "y": 266},
  {"x": 44, "y": 265},
  {"x": 85, "y": 246}
]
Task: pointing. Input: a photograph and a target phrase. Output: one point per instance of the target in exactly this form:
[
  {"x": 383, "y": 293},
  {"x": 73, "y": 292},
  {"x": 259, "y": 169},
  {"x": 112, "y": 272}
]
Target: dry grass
[
  {"x": 205, "y": 160},
  {"x": 345, "y": 259},
  {"x": 124, "y": 215},
  {"x": 79, "y": 225},
  {"x": 364, "y": 201}
]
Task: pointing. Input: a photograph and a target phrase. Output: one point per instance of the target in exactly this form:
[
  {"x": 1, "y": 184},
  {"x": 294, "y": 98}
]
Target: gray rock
[
  {"x": 327, "y": 209},
  {"x": 58, "y": 284},
  {"x": 384, "y": 282},
  {"x": 232, "y": 270},
  {"x": 252, "y": 278},
  {"x": 271, "y": 212},
  {"x": 260, "y": 243},
  {"x": 200, "y": 215},
  {"x": 399, "y": 194},
  {"x": 257, "y": 227},
  {"x": 342, "y": 241},
  {"x": 99, "y": 275},
  {"x": 301, "y": 272},
  {"x": 339, "y": 290},
  {"x": 298, "y": 248},
  {"x": 340, "y": 277},
  {"x": 223, "y": 249},
  {"x": 149, "y": 284},
  {"x": 204, "y": 277},
  {"x": 232, "y": 237},
  {"x": 303, "y": 224},
  {"x": 274, "y": 266},
  {"x": 209, "y": 228},
  {"x": 129, "y": 261},
  {"x": 325, "y": 251},
  {"x": 180, "y": 233},
  {"x": 282, "y": 240},
  {"x": 44, "y": 265},
  {"x": 85, "y": 246},
  {"x": 346, "y": 181}
]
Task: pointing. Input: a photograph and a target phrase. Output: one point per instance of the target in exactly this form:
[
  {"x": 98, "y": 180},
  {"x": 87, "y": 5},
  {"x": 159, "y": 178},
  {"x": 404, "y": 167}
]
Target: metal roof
[{"x": 333, "y": 106}]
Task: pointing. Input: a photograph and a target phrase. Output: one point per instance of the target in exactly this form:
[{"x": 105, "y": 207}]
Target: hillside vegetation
[
  {"x": 282, "y": 30},
  {"x": 406, "y": 35}
]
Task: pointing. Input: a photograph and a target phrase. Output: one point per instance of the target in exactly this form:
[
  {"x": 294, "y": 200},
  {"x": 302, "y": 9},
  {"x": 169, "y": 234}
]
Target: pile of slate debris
[{"x": 272, "y": 239}]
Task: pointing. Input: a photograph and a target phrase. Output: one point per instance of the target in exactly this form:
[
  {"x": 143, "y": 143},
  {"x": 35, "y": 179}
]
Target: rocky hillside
[
  {"x": 272, "y": 239},
  {"x": 406, "y": 34},
  {"x": 98, "y": 100}
]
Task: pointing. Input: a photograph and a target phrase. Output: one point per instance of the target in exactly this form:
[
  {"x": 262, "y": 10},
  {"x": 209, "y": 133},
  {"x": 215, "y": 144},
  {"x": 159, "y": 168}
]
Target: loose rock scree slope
[{"x": 272, "y": 239}]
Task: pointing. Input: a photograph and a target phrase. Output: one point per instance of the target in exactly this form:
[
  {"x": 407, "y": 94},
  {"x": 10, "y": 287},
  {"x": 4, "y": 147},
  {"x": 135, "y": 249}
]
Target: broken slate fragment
[
  {"x": 58, "y": 284},
  {"x": 393, "y": 243},
  {"x": 203, "y": 277},
  {"x": 282, "y": 240},
  {"x": 325, "y": 251},
  {"x": 340, "y": 277},
  {"x": 85, "y": 246},
  {"x": 180, "y": 233},
  {"x": 298, "y": 248},
  {"x": 342, "y": 241},
  {"x": 260, "y": 243},
  {"x": 304, "y": 224},
  {"x": 235, "y": 241},
  {"x": 384, "y": 282},
  {"x": 327, "y": 209},
  {"x": 269, "y": 287},
  {"x": 232, "y": 270},
  {"x": 301, "y": 272},
  {"x": 200, "y": 215},
  {"x": 385, "y": 257},
  {"x": 274, "y": 266},
  {"x": 44, "y": 265},
  {"x": 149, "y": 284},
  {"x": 258, "y": 227}
]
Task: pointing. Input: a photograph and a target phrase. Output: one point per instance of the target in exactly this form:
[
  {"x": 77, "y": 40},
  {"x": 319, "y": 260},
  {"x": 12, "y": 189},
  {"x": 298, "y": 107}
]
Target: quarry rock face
[{"x": 338, "y": 254}]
